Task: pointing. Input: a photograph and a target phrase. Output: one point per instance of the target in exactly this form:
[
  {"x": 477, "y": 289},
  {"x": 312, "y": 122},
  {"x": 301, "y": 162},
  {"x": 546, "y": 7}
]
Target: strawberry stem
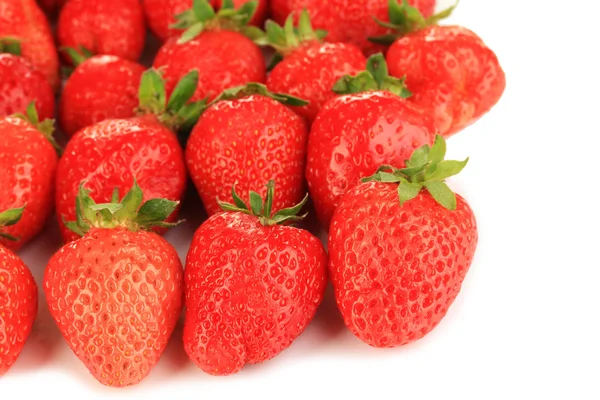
[{"x": 285, "y": 39}]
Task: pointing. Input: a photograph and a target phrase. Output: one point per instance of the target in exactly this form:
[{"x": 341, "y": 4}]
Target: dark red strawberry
[
  {"x": 252, "y": 285},
  {"x": 247, "y": 136}
]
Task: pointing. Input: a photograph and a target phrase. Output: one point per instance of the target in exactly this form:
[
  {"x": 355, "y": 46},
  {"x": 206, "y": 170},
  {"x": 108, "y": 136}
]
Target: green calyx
[
  {"x": 288, "y": 37},
  {"x": 128, "y": 213},
  {"x": 10, "y": 45},
  {"x": 427, "y": 170},
  {"x": 177, "y": 113},
  {"x": 46, "y": 127},
  {"x": 405, "y": 18},
  {"x": 9, "y": 218},
  {"x": 259, "y": 89},
  {"x": 202, "y": 16},
  {"x": 376, "y": 77},
  {"x": 264, "y": 211},
  {"x": 78, "y": 56}
]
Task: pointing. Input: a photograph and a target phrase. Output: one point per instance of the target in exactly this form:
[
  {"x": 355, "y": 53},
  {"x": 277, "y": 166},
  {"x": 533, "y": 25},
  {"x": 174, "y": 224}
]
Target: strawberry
[
  {"x": 21, "y": 83},
  {"x": 400, "y": 245},
  {"x": 18, "y": 298},
  {"x": 23, "y": 20},
  {"x": 28, "y": 159},
  {"x": 215, "y": 45},
  {"x": 346, "y": 21},
  {"x": 101, "y": 87},
  {"x": 309, "y": 68},
  {"x": 116, "y": 292},
  {"x": 110, "y": 153},
  {"x": 448, "y": 68},
  {"x": 103, "y": 27},
  {"x": 371, "y": 125},
  {"x": 247, "y": 136},
  {"x": 252, "y": 285}
]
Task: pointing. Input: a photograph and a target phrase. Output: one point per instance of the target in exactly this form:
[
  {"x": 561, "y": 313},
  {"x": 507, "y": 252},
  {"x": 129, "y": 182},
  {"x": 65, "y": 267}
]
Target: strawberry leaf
[
  {"x": 442, "y": 194},
  {"x": 10, "y": 45},
  {"x": 287, "y": 38},
  {"x": 11, "y": 217},
  {"x": 408, "y": 191},
  {"x": 253, "y": 88}
]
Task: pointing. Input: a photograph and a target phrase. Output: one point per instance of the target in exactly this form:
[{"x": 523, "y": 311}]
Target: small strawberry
[
  {"x": 400, "y": 245},
  {"x": 252, "y": 285},
  {"x": 24, "y": 21},
  {"x": 248, "y": 136},
  {"x": 28, "y": 159},
  {"x": 103, "y": 27},
  {"x": 21, "y": 83},
  {"x": 355, "y": 133},
  {"x": 309, "y": 68},
  {"x": 448, "y": 68},
  {"x": 215, "y": 45},
  {"x": 101, "y": 87},
  {"x": 116, "y": 293}
]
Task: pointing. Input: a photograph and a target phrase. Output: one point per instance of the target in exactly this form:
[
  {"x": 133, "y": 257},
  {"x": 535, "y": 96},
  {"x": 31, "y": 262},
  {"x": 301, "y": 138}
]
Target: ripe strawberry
[
  {"x": 116, "y": 293},
  {"x": 252, "y": 285},
  {"x": 215, "y": 45},
  {"x": 448, "y": 68},
  {"x": 355, "y": 133},
  {"x": 24, "y": 21},
  {"x": 309, "y": 68},
  {"x": 346, "y": 21},
  {"x": 397, "y": 266},
  {"x": 101, "y": 87},
  {"x": 27, "y": 164},
  {"x": 103, "y": 27},
  {"x": 21, "y": 83},
  {"x": 110, "y": 153},
  {"x": 247, "y": 136}
]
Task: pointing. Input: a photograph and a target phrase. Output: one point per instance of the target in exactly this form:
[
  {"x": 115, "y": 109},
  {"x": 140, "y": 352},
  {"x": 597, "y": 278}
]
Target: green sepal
[
  {"x": 9, "y": 218},
  {"x": 46, "y": 127},
  {"x": 284, "y": 39},
  {"x": 10, "y": 45},
  {"x": 78, "y": 56},
  {"x": 260, "y": 89}
]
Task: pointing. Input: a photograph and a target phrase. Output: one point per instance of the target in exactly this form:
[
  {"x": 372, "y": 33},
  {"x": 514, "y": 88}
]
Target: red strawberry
[
  {"x": 309, "y": 68},
  {"x": 215, "y": 46},
  {"x": 248, "y": 137},
  {"x": 355, "y": 133},
  {"x": 252, "y": 285},
  {"x": 111, "y": 153},
  {"x": 27, "y": 163},
  {"x": 24, "y": 21},
  {"x": 346, "y": 21},
  {"x": 21, "y": 83},
  {"x": 104, "y": 27},
  {"x": 116, "y": 293},
  {"x": 101, "y": 87},
  {"x": 399, "y": 253}
]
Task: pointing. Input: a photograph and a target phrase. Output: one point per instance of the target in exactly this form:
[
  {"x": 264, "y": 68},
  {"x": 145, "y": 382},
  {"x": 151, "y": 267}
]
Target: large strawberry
[
  {"x": 215, "y": 45},
  {"x": 400, "y": 245},
  {"x": 448, "y": 68},
  {"x": 21, "y": 83},
  {"x": 309, "y": 68},
  {"x": 252, "y": 285},
  {"x": 116, "y": 293},
  {"x": 355, "y": 133},
  {"x": 27, "y": 166},
  {"x": 347, "y": 21},
  {"x": 101, "y": 87},
  {"x": 112, "y": 152},
  {"x": 248, "y": 136},
  {"x": 24, "y": 21},
  {"x": 104, "y": 27}
]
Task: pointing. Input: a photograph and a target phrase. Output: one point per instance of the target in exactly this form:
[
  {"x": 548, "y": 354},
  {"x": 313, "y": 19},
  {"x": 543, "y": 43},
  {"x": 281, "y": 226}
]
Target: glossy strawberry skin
[
  {"x": 23, "y": 19},
  {"x": 451, "y": 69},
  {"x": 18, "y": 307},
  {"x": 116, "y": 296},
  {"x": 20, "y": 84},
  {"x": 310, "y": 72},
  {"x": 346, "y": 21},
  {"x": 396, "y": 270},
  {"x": 249, "y": 141},
  {"x": 224, "y": 59},
  {"x": 102, "y": 87},
  {"x": 352, "y": 136},
  {"x": 250, "y": 291},
  {"x": 109, "y": 154},
  {"x": 28, "y": 164},
  {"x": 103, "y": 27}
]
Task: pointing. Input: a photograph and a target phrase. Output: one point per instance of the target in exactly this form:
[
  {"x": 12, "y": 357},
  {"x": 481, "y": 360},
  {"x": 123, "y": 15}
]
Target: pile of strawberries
[{"x": 363, "y": 132}]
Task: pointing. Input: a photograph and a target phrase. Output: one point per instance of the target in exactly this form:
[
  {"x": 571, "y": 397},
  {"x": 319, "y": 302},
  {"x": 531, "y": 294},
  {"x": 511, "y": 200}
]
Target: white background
[{"x": 526, "y": 322}]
